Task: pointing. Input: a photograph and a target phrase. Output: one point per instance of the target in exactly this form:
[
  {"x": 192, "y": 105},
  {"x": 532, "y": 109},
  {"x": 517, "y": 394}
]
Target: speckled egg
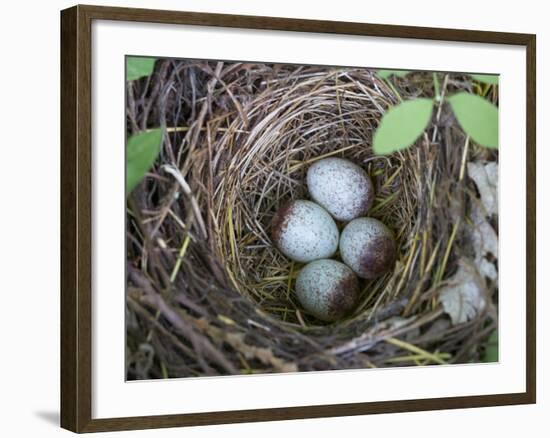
[
  {"x": 368, "y": 247},
  {"x": 304, "y": 231},
  {"x": 328, "y": 289},
  {"x": 340, "y": 186}
]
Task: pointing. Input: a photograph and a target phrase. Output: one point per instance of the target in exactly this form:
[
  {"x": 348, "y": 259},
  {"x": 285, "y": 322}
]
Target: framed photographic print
[{"x": 304, "y": 218}]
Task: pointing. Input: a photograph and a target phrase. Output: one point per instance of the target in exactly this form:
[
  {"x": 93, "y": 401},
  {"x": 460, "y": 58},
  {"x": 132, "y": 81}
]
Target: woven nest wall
[{"x": 208, "y": 292}]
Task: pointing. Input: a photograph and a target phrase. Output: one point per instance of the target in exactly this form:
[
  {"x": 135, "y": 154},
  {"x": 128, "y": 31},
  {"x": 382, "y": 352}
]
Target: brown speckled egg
[
  {"x": 340, "y": 186},
  {"x": 368, "y": 247},
  {"x": 304, "y": 231},
  {"x": 327, "y": 289}
]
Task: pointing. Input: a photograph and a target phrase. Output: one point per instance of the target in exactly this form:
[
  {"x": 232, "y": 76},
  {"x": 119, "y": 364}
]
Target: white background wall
[{"x": 29, "y": 215}]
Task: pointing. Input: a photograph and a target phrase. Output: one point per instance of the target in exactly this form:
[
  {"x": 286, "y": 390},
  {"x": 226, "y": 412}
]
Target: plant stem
[
  {"x": 388, "y": 81},
  {"x": 441, "y": 270},
  {"x": 436, "y": 88},
  {"x": 464, "y": 156}
]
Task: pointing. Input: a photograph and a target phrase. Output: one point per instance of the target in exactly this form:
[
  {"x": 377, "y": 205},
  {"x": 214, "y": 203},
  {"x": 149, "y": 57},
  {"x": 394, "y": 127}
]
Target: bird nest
[{"x": 208, "y": 292}]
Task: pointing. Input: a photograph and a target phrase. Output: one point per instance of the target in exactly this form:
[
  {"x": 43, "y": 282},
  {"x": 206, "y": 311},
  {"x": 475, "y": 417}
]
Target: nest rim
[{"x": 301, "y": 115}]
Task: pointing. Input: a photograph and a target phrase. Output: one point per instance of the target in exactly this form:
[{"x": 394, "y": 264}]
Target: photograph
[
  {"x": 272, "y": 219},
  {"x": 286, "y": 218}
]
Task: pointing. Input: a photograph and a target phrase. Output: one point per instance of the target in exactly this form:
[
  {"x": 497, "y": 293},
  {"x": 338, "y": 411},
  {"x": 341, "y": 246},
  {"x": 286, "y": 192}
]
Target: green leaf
[
  {"x": 402, "y": 125},
  {"x": 486, "y": 79},
  {"x": 141, "y": 152},
  {"x": 384, "y": 74},
  {"x": 477, "y": 116},
  {"x": 491, "y": 350},
  {"x": 138, "y": 67}
]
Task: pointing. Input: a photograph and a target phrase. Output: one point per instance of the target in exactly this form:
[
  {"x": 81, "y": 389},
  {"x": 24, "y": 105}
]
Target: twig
[{"x": 174, "y": 171}]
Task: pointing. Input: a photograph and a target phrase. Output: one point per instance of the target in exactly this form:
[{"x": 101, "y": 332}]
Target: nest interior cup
[
  {"x": 207, "y": 264},
  {"x": 300, "y": 118}
]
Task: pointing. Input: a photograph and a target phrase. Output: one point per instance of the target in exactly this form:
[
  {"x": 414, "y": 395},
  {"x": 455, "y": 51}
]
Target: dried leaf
[
  {"x": 485, "y": 176},
  {"x": 485, "y": 242},
  {"x": 463, "y": 298},
  {"x": 484, "y": 237}
]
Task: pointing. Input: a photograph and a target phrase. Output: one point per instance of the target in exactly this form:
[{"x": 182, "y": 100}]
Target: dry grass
[{"x": 207, "y": 291}]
